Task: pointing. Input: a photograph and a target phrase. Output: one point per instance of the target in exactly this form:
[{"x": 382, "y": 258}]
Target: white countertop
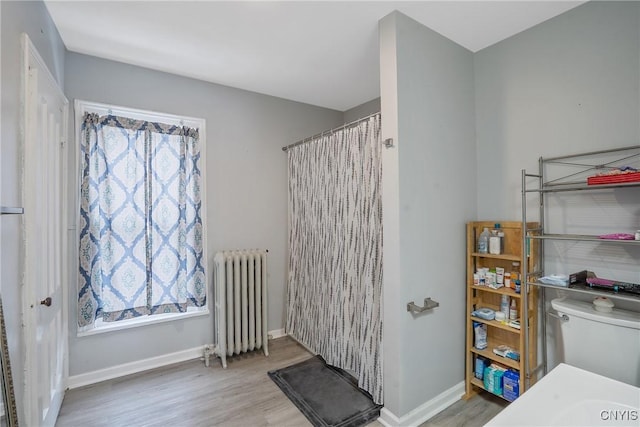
[{"x": 569, "y": 396}]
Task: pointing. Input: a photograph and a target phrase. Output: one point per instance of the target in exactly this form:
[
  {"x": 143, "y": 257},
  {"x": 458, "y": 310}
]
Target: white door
[{"x": 45, "y": 130}]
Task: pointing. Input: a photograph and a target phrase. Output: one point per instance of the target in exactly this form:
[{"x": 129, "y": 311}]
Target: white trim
[
  {"x": 425, "y": 411},
  {"x": 137, "y": 366},
  {"x": 67, "y": 242},
  {"x": 201, "y": 124},
  {"x": 138, "y": 114},
  {"x": 28, "y": 320},
  {"x": 104, "y": 327},
  {"x": 117, "y": 371},
  {"x": 276, "y": 333}
]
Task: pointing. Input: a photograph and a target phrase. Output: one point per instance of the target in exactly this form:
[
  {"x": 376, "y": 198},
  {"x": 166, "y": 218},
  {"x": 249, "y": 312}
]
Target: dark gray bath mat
[{"x": 326, "y": 395}]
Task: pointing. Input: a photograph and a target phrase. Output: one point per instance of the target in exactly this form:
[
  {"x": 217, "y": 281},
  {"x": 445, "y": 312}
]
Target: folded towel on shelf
[{"x": 555, "y": 279}]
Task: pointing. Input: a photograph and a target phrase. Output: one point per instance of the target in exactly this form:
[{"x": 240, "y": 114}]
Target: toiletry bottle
[
  {"x": 504, "y": 305},
  {"x": 515, "y": 271},
  {"x": 483, "y": 241},
  {"x": 513, "y": 311},
  {"x": 494, "y": 243},
  {"x": 501, "y": 237}
]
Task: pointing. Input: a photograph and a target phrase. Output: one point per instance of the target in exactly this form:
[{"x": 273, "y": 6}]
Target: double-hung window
[{"x": 141, "y": 238}]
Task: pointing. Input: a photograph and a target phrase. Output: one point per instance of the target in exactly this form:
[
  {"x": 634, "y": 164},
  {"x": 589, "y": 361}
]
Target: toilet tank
[{"x": 605, "y": 343}]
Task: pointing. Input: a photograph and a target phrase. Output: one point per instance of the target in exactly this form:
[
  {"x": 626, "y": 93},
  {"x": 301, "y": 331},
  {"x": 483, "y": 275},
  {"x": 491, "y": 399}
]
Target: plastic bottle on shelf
[
  {"x": 505, "y": 305},
  {"x": 513, "y": 310},
  {"x": 501, "y": 237},
  {"x": 483, "y": 241},
  {"x": 515, "y": 272},
  {"x": 494, "y": 243}
]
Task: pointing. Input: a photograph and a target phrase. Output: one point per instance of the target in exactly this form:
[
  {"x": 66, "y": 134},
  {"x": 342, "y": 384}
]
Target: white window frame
[{"x": 81, "y": 107}]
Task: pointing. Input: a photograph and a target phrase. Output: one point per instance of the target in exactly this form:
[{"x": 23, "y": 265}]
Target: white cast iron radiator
[{"x": 241, "y": 302}]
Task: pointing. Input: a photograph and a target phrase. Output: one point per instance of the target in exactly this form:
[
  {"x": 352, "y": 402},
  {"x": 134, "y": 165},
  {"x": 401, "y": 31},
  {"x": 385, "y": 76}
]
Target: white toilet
[{"x": 604, "y": 343}]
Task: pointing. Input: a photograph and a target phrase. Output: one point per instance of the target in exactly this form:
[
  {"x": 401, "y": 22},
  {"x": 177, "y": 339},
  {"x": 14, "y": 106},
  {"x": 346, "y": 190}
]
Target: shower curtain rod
[{"x": 344, "y": 126}]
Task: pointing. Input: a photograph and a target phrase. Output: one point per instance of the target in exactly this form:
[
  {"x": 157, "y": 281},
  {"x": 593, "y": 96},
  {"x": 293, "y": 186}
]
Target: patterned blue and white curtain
[
  {"x": 141, "y": 246},
  {"x": 335, "y": 250}
]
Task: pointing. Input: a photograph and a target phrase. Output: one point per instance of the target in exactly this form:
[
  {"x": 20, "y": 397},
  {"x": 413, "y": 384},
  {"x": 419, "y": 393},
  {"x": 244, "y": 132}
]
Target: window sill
[{"x": 104, "y": 327}]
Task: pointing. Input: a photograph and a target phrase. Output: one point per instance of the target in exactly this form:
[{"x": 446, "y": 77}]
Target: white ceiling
[{"x": 323, "y": 53}]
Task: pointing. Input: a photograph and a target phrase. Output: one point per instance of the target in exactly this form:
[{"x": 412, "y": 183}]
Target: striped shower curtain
[{"x": 335, "y": 245}]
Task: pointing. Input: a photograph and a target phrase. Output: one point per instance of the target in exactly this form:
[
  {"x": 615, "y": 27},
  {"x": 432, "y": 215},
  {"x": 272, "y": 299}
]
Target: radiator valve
[{"x": 208, "y": 350}]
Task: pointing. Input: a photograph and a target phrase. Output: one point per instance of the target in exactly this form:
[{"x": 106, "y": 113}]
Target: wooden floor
[
  {"x": 476, "y": 411},
  {"x": 189, "y": 394}
]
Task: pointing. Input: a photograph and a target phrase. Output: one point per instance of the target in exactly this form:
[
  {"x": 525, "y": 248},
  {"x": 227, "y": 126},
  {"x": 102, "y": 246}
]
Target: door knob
[{"x": 46, "y": 301}]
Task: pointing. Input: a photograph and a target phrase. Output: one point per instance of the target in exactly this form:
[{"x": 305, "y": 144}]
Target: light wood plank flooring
[
  {"x": 189, "y": 394},
  {"x": 476, "y": 411}
]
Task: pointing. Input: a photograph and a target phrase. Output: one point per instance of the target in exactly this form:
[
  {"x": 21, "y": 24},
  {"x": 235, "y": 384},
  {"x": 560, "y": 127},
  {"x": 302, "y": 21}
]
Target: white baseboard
[
  {"x": 112, "y": 372},
  {"x": 93, "y": 377},
  {"x": 425, "y": 411},
  {"x": 276, "y": 333}
]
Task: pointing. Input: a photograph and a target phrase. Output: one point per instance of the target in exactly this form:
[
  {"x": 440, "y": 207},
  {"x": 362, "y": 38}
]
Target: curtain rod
[{"x": 344, "y": 126}]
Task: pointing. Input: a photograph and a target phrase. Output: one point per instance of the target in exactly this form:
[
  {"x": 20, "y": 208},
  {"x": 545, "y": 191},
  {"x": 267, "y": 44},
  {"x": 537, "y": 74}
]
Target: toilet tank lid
[{"x": 585, "y": 310}]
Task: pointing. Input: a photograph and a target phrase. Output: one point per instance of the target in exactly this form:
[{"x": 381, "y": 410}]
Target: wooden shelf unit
[{"x": 483, "y": 296}]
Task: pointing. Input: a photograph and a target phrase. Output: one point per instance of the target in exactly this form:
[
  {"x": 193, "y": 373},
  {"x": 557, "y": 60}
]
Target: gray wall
[
  {"x": 568, "y": 85},
  {"x": 246, "y": 186},
  {"x": 362, "y": 110},
  {"x": 33, "y": 19},
  {"x": 429, "y": 105}
]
